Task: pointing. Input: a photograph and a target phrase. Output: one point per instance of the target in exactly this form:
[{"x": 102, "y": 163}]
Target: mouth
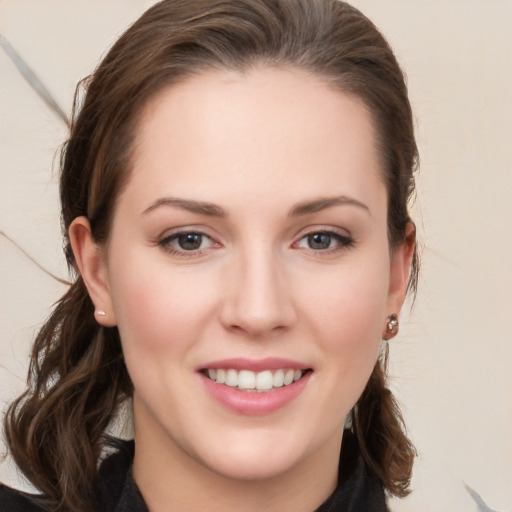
[
  {"x": 255, "y": 382},
  {"x": 255, "y": 387}
]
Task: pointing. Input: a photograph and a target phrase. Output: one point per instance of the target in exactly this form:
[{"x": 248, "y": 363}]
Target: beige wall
[{"x": 452, "y": 361}]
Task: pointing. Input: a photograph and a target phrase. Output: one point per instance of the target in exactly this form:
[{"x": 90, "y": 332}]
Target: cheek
[
  {"x": 346, "y": 311},
  {"x": 157, "y": 309},
  {"x": 161, "y": 316},
  {"x": 352, "y": 299}
]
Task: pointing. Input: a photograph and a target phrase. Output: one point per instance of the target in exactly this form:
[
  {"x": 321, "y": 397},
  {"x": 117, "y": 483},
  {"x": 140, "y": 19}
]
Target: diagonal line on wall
[
  {"x": 33, "y": 260},
  {"x": 33, "y": 80}
]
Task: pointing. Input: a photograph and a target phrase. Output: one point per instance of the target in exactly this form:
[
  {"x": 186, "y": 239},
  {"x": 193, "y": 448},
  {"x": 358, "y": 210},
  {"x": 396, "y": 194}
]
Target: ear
[
  {"x": 91, "y": 263},
  {"x": 401, "y": 262}
]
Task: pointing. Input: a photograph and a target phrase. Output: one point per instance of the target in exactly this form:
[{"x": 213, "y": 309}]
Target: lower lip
[{"x": 254, "y": 402}]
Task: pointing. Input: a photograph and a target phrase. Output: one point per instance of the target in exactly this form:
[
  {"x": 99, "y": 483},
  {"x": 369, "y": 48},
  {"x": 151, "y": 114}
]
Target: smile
[{"x": 247, "y": 380}]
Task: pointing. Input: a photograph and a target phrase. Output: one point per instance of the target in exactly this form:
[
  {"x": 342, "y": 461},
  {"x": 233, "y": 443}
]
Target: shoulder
[
  {"x": 114, "y": 472},
  {"x": 12, "y": 500}
]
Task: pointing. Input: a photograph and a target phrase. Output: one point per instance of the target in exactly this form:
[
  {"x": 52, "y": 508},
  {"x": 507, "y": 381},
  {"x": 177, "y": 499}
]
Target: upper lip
[{"x": 255, "y": 365}]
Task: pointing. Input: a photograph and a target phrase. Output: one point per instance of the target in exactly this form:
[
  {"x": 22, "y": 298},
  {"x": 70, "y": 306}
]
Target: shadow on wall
[{"x": 482, "y": 506}]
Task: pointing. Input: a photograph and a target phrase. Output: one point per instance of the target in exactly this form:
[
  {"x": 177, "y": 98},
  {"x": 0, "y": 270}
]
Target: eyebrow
[
  {"x": 326, "y": 202},
  {"x": 200, "y": 207},
  {"x": 213, "y": 210}
]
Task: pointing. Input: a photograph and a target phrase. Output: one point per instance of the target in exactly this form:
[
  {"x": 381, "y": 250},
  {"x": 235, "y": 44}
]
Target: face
[{"x": 248, "y": 270}]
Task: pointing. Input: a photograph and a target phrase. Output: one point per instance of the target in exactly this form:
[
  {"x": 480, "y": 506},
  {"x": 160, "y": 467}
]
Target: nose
[{"x": 257, "y": 296}]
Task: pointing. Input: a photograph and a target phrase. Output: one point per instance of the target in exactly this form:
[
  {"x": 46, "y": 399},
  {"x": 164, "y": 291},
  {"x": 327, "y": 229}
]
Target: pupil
[
  {"x": 190, "y": 241},
  {"x": 319, "y": 241}
]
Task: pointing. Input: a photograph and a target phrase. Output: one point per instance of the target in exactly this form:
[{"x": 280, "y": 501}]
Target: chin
[
  {"x": 254, "y": 466},
  {"x": 264, "y": 455}
]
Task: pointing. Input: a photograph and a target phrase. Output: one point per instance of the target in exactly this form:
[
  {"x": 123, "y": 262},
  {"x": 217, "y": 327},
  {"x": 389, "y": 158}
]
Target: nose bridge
[{"x": 258, "y": 299}]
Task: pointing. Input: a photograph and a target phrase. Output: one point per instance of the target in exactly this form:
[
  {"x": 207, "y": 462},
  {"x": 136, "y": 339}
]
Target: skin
[{"x": 255, "y": 145}]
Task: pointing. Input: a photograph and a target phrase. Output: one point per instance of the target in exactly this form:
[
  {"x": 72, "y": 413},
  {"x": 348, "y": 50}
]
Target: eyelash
[{"x": 342, "y": 242}]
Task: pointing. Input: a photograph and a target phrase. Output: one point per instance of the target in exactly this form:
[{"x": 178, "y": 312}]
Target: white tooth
[
  {"x": 212, "y": 374},
  {"x": 288, "y": 377},
  {"x": 221, "y": 376},
  {"x": 278, "y": 379},
  {"x": 264, "y": 380},
  {"x": 297, "y": 375},
  {"x": 246, "y": 379},
  {"x": 231, "y": 378}
]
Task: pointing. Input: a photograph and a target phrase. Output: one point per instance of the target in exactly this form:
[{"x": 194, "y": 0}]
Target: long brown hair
[{"x": 77, "y": 378}]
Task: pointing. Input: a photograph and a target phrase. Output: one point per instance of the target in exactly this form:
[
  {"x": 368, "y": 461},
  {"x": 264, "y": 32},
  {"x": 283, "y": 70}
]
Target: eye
[
  {"x": 186, "y": 243},
  {"x": 324, "y": 241},
  {"x": 319, "y": 241},
  {"x": 189, "y": 241}
]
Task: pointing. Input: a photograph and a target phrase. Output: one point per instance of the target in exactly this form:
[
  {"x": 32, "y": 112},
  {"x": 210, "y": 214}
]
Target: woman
[{"x": 234, "y": 197}]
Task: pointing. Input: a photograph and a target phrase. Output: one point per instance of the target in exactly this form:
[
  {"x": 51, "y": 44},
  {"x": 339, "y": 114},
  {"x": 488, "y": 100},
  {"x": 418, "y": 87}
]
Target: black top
[{"x": 359, "y": 489}]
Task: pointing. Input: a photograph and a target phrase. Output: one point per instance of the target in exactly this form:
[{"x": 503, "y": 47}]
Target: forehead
[{"x": 266, "y": 129}]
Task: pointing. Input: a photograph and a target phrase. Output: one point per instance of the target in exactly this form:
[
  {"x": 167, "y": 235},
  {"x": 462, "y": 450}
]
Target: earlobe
[
  {"x": 90, "y": 260},
  {"x": 401, "y": 263}
]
